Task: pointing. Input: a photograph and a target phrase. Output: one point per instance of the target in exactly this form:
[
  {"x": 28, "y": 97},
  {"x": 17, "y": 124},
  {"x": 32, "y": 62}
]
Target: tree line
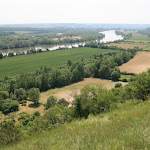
[{"x": 99, "y": 66}]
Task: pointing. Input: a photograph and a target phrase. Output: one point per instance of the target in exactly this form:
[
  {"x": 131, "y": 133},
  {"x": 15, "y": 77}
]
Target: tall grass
[{"x": 126, "y": 128}]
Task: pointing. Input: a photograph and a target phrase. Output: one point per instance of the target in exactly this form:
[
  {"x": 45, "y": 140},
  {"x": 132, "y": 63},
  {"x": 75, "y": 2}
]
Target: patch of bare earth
[
  {"x": 139, "y": 64},
  {"x": 68, "y": 92}
]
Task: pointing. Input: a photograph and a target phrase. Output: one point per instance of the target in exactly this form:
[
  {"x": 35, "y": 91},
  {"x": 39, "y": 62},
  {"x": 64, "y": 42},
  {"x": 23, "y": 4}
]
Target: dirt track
[{"x": 139, "y": 64}]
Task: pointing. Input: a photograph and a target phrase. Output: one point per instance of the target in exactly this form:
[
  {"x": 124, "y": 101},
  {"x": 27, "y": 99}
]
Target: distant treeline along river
[{"x": 110, "y": 36}]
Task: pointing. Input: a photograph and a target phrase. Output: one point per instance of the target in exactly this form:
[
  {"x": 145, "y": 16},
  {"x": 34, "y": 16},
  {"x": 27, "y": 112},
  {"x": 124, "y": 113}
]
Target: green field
[
  {"x": 28, "y": 63},
  {"x": 126, "y": 128},
  {"x": 146, "y": 48},
  {"x": 136, "y": 36}
]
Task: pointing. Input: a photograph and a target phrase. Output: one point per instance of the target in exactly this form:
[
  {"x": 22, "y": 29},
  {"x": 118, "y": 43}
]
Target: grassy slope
[
  {"x": 125, "y": 128},
  {"x": 28, "y": 63}
]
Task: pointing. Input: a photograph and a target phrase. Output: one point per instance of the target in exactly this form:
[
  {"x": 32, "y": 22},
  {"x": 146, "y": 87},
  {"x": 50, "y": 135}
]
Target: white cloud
[{"x": 77, "y": 11}]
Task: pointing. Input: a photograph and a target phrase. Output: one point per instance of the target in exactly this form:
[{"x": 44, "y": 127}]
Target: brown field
[
  {"x": 139, "y": 64},
  {"x": 67, "y": 37},
  {"x": 69, "y": 91},
  {"x": 126, "y": 46},
  {"x": 138, "y": 41}
]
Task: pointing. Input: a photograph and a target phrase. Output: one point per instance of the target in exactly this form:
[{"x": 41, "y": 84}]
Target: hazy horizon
[{"x": 75, "y": 11}]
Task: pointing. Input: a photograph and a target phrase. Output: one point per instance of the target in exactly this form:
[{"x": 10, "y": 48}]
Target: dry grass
[
  {"x": 126, "y": 46},
  {"x": 67, "y": 37},
  {"x": 138, "y": 41},
  {"x": 69, "y": 91},
  {"x": 139, "y": 64}
]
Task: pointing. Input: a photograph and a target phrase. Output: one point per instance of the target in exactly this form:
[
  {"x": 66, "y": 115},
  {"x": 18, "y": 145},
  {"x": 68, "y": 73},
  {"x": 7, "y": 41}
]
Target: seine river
[{"x": 110, "y": 36}]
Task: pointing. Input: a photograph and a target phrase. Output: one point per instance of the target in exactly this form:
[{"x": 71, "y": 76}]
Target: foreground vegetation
[
  {"x": 96, "y": 117},
  {"x": 126, "y": 127}
]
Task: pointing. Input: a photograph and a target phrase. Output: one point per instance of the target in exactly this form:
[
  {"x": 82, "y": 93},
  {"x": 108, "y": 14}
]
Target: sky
[{"x": 75, "y": 11}]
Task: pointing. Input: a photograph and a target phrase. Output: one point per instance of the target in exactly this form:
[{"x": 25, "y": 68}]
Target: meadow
[
  {"x": 29, "y": 63},
  {"x": 137, "y": 36},
  {"x": 124, "y": 128}
]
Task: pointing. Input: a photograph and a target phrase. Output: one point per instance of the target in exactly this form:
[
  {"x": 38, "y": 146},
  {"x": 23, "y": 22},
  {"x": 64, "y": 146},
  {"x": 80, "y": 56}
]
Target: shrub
[
  {"x": 9, "y": 105},
  {"x": 9, "y": 132},
  {"x": 37, "y": 113},
  {"x": 63, "y": 102},
  {"x": 51, "y": 101},
  {"x": 115, "y": 75},
  {"x": 118, "y": 85},
  {"x": 4, "y": 95},
  {"x": 20, "y": 94},
  {"x": 125, "y": 80}
]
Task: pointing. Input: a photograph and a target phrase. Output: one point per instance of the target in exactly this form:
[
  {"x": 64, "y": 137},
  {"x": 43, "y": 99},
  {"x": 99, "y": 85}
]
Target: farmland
[
  {"x": 128, "y": 45},
  {"x": 139, "y": 64},
  {"x": 137, "y": 36},
  {"x": 28, "y": 63},
  {"x": 137, "y": 40}
]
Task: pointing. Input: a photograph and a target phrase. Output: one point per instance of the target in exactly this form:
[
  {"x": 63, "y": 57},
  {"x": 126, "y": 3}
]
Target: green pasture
[{"x": 28, "y": 63}]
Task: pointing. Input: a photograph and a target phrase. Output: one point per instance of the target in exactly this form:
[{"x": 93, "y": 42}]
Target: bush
[
  {"x": 115, "y": 75},
  {"x": 118, "y": 85},
  {"x": 4, "y": 95},
  {"x": 93, "y": 100},
  {"x": 37, "y": 113},
  {"x": 63, "y": 102},
  {"x": 20, "y": 94},
  {"x": 124, "y": 80},
  {"x": 51, "y": 101},
  {"x": 9, "y": 132},
  {"x": 8, "y": 106}
]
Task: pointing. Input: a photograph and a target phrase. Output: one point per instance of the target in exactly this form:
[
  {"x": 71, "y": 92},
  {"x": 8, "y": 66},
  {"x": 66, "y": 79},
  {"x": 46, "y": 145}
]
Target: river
[{"x": 110, "y": 36}]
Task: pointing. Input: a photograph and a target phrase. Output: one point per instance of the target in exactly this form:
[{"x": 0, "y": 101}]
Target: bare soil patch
[{"x": 139, "y": 64}]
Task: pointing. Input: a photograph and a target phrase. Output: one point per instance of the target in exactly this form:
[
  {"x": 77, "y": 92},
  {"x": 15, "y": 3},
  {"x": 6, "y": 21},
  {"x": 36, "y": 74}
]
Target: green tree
[
  {"x": 118, "y": 60},
  {"x": 63, "y": 102},
  {"x": 69, "y": 63},
  {"x": 1, "y": 56},
  {"x": 115, "y": 75},
  {"x": 8, "y": 105},
  {"x": 34, "y": 95},
  {"x": 4, "y": 95},
  {"x": 51, "y": 101},
  {"x": 20, "y": 94}
]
